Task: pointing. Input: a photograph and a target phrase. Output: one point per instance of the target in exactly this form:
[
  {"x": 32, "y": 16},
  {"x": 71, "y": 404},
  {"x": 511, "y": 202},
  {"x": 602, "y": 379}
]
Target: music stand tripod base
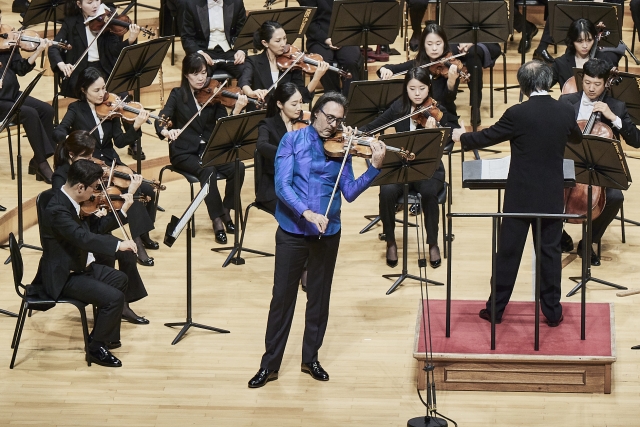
[
  {"x": 427, "y": 422},
  {"x": 406, "y": 275},
  {"x": 188, "y": 324},
  {"x": 578, "y": 280}
]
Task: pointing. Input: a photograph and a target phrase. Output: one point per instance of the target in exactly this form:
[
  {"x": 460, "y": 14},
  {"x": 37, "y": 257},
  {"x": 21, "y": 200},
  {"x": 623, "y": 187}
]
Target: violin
[
  {"x": 128, "y": 111},
  {"x": 307, "y": 62},
  {"x": 442, "y": 68},
  {"x": 420, "y": 118},
  {"x": 98, "y": 201},
  {"x": 570, "y": 85},
  {"x": 227, "y": 97},
  {"x": 27, "y": 40},
  {"x": 121, "y": 176},
  {"x": 119, "y": 25},
  {"x": 301, "y": 121},
  {"x": 336, "y": 145}
]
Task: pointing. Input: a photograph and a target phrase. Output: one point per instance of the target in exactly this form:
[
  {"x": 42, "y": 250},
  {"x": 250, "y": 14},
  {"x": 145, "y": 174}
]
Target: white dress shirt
[
  {"x": 586, "y": 108},
  {"x": 217, "y": 36},
  {"x": 95, "y": 116},
  {"x": 90, "y": 257}
]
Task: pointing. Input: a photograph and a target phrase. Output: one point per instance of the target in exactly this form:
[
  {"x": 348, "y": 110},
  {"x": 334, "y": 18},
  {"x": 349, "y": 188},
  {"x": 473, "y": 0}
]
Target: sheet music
[
  {"x": 495, "y": 168},
  {"x": 186, "y": 217}
]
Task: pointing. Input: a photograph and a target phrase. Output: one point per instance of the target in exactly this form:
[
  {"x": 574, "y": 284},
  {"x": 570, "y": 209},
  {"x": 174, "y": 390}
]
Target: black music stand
[
  {"x": 137, "y": 67},
  {"x": 368, "y": 99},
  {"x": 174, "y": 228},
  {"x": 361, "y": 23},
  {"x": 598, "y": 161},
  {"x": 294, "y": 21},
  {"x": 44, "y": 11},
  {"x": 427, "y": 145},
  {"x": 233, "y": 140},
  {"x": 14, "y": 113},
  {"x": 563, "y": 13}
]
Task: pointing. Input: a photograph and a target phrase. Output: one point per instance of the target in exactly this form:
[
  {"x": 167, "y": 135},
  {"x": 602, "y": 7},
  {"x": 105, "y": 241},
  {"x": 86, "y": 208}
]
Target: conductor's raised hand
[
  {"x": 457, "y": 133},
  {"x": 320, "y": 221},
  {"x": 378, "y": 151}
]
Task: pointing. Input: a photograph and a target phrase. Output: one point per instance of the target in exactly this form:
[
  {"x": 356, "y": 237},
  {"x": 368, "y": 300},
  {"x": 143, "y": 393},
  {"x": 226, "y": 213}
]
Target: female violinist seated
[
  {"x": 581, "y": 37},
  {"x": 261, "y": 71},
  {"x": 417, "y": 86},
  {"x": 80, "y": 145},
  {"x": 81, "y": 115},
  {"x": 36, "y": 117},
  {"x": 187, "y": 145}
]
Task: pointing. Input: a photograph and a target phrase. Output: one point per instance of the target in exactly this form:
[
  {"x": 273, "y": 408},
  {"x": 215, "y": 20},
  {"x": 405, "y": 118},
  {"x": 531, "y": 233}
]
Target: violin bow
[
  {"x": 402, "y": 73},
  {"x": 203, "y": 105},
  {"x": 94, "y": 40},
  {"x": 115, "y": 213},
  {"x": 113, "y": 165},
  {"x": 286, "y": 71},
  {"x": 120, "y": 102}
]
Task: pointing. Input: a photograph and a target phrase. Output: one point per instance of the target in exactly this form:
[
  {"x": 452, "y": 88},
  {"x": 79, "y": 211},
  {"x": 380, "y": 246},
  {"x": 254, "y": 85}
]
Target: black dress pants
[
  {"x": 218, "y": 53},
  {"x": 348, "y": 58},
  {"x": 127, "y": 263},
  {"x": 513, "y": 236},
  {"x": 615, "y": 199},
  {"x": 36, "y": 119},
  {"x": 103, "y": 287},
  {"x": 471, "y": 60},
  {"x": 215, "y": 204},
  {"x": 292, "y": 251}
]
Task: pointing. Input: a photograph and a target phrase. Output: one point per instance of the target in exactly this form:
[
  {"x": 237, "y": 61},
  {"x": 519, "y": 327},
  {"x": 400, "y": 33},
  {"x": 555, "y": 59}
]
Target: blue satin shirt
[{"x": 304, "y": 179}]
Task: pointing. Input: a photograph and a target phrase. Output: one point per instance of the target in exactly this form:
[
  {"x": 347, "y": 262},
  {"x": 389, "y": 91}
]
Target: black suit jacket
[
  {"x": 563, "y": 65},
  {"x": 180, "y": 107},
  {"x": 73, "y": 31},
  {"x": 18, "y": 66},
  {"x": 538, "y": 130},
  {"x": 629, "y": 131},
  {"x": 257, "y": 75},
  {"x": 66, "y": 241},
  {"x": 195, "y": 23},
  {"x": 318, "y": 30},
  {"x": 80, "y": 117},
  {"x": 270, "y": 132}
]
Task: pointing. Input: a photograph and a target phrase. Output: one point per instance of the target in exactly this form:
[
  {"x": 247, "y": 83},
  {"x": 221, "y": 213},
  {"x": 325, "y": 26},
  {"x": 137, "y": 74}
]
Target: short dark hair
[
  {"x": 265, "y": 32},
  {"x": 88, "y": 77},
  {"x": 79, "y": 142},
  {"x": 431, "y": 27},
  {"x": 336, "y": 97},
  {"x": 577, "y": 29},
  {"x": 83, "y": 172},
  {"x": 534, "y": 76},
  {"x": 420, "y": 74},
  {"x": 597, "y": 68},
  {"x": 283, "y": 93}
]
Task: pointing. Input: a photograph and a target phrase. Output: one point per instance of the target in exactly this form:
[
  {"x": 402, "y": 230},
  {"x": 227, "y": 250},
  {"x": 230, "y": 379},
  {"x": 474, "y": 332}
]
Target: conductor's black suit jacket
[
  {"x": 195, "y": 28},
  {"x": 538, "y": 130}
]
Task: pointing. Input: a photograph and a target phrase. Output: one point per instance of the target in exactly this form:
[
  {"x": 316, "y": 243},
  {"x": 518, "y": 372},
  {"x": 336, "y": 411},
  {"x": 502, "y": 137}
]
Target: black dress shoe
[
  {"x": 566, "y": 243},
  {"x": 543, "y": 55},
  {"x": 133, "y": 152},
  {"x": 2, "y": 208},
  {"x": 555, "y": 322},
  {"x": 262, "y": 377},
  {"x": 136, "y": 320},
  {"x": 436, "y": 263},
  {"x": 414, "y": 43},
  {"x": 486, "y": 315},
  {"x": 526, "y": 43},
  {"x": 148, "y": 243},
  {"x": 595, "y": 259},
  {"x": 230, "y": 227},
  {"x": 635, "y": 347},
  {"x": 146, "y": 262},
  {"x": 315, "y": 370},
  {"x": 102, "y": 356},
  {"x": 221, "y": 236}
]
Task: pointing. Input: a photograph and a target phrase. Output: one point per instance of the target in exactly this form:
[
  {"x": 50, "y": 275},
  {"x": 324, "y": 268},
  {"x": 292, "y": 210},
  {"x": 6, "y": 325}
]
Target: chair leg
[
  {"x": 504, "y": 76},
  {"x": 15, "y": 332},
  {"x": 13, "y": 172},
  {"x": 633, "y": 38},
  {"x": 173, "y": 42},
  {"x": 17, "y": 343},
  {"x": 244, "y": 225},
  {"x": 491, "y": 91},
  {"x": 624, "y": 240},
  {"x": 444, "y": 232},
  {"x": 373, "y": 222},
  {"x": 85, "y": 331},
  {"x": 193, "y": 217}
]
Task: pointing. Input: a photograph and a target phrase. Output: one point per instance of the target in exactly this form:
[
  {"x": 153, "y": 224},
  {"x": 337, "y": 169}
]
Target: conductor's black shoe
[
  {"x": 221, "y": 236},
  {"x": 555, "y": 323},
  {"x": 148, "y": 243},
  {"x": 595, "y": 259},
  {"x": 146, "y": 262},
  {"x": 635, "y": 347},
  {"x": 133, "y": 152},
  {"x": 543, "y": 55},
  {"x": 262, "y": 377},
  {"x": 230, "y": 227},
  {"x": 486, "y": 315},
  {"x": 136, "y": 320},
  {"x": 103, "y": 357},
  {"x": 526, "y": 43},
  {"x": 566, "y": 242},
  {"x": 315, "y": 370}
]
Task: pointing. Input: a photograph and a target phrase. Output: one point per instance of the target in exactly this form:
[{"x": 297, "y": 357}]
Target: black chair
[
  {"x": 258, "y": 162},
  {"x": 34, "y": 298},
  {"x": 191, "y": 179}
]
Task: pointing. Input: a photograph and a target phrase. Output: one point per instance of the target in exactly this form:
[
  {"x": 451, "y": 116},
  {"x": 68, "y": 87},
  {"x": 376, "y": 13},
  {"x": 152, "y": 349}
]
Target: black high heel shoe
[
  {"x": 392, "y": 262},
  {"x": 230, "y": 227},
  {"x": 40, "y": 177},
  {"x": 32, "y": 167},
  {"x": 221, "y": 236},
  {"x": 148, "y": 243}
]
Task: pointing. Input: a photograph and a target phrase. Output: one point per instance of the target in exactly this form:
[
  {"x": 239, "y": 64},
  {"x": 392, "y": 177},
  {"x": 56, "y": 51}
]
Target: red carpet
[{"x": 472, "y": 335}]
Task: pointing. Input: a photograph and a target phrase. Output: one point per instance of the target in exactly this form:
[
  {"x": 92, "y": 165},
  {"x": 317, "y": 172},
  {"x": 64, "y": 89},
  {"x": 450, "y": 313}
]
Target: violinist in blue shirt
[{"x": 305, "y": 177}]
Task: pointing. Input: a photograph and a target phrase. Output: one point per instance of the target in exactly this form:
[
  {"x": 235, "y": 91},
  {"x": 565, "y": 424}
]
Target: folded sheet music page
[{"x": 495, "y": 168}]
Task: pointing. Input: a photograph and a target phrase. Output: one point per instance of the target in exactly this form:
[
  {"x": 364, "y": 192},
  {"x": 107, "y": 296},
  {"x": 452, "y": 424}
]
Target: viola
[
  {"x": 121, "y": 176},
  {"x": 442, "y": 68},
  {"x": 336, "y": 146},
  {"x": 119, "y": 25},
  {"x": 431, "y": 105},
  {"x": 302, "y": 121},
  {"x": 98, "y": 201},
  {"x": 307, "y": 62},
  {"x": 227, "y": 97},
  {"x": 27, "y": 40},
  {"x": 112, "y": 106}
]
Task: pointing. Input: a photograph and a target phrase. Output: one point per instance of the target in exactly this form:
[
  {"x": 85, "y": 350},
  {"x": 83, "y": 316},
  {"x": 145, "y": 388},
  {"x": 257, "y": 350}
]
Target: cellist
[{"x": 614, "y": 114}]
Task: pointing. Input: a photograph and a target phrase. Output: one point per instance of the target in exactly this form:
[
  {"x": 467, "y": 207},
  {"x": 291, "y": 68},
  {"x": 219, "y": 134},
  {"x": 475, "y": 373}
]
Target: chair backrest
[
  {"x": 42, "y": 200},
  {"x": 258, "y": 164},
  {"x": 16, "y": 265}
]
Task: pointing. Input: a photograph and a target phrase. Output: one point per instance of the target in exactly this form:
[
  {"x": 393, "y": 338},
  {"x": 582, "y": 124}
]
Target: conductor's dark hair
[
  {"x": 265, "y": 32},
  {"x": 431, "y": 28},
  {"x": 88, "y": 77},
  {"x": 79, "y": 142},
  {"x": 579, "y": 29},
  {"x": 597, "y": 68},
  {"x": 283, "y": 93},
  {"x": 192, "y": 64},
  {"x": 420, "y": 74},
  {"x": 83, "y": 172},
  {"x": 534, "y": 76},
  {"x": 336, "y": 97}
]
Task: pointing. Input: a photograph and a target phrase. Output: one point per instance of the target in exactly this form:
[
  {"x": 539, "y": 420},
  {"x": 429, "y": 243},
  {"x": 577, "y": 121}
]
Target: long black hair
[
  {"x": 431, "y": 28},
  {"x": 579, "y": 29},
  {"x": 88, "y": 77},
  {"x": 79, "y": 142},
  {"x": 192, "y": 64},
  {"x": 420, "y": 74},
  {"x": 265, "y": 32},
  {"x": 283, "y": 93}
]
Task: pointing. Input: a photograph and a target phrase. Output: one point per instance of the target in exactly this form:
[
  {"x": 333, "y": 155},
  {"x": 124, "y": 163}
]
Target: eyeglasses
[{"x": 331, "y": 119}]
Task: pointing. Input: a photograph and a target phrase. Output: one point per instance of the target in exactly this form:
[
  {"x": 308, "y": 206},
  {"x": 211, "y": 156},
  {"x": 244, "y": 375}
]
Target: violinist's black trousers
[
  {"x": 292, "y": 251},
  {"x": 36, "y": 119}
]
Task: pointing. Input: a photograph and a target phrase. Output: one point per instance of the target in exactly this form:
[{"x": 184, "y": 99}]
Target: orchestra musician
[
  {"x": 186, "y": 147},
  {"x": 81, "y": 115},
  {"x": 304, "y": 179},
  {"x": 80, "y": 145},
  {"x": 67, "y": 268},
  {"x": 261, "y": 71},
  {"x": 538, "y": 131},
  {"x": 210, "y": 28},
  {"x": 417, "y": 85},
  {"x": 615, "y": 115},
  {"x": 36, "y": 117}
]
